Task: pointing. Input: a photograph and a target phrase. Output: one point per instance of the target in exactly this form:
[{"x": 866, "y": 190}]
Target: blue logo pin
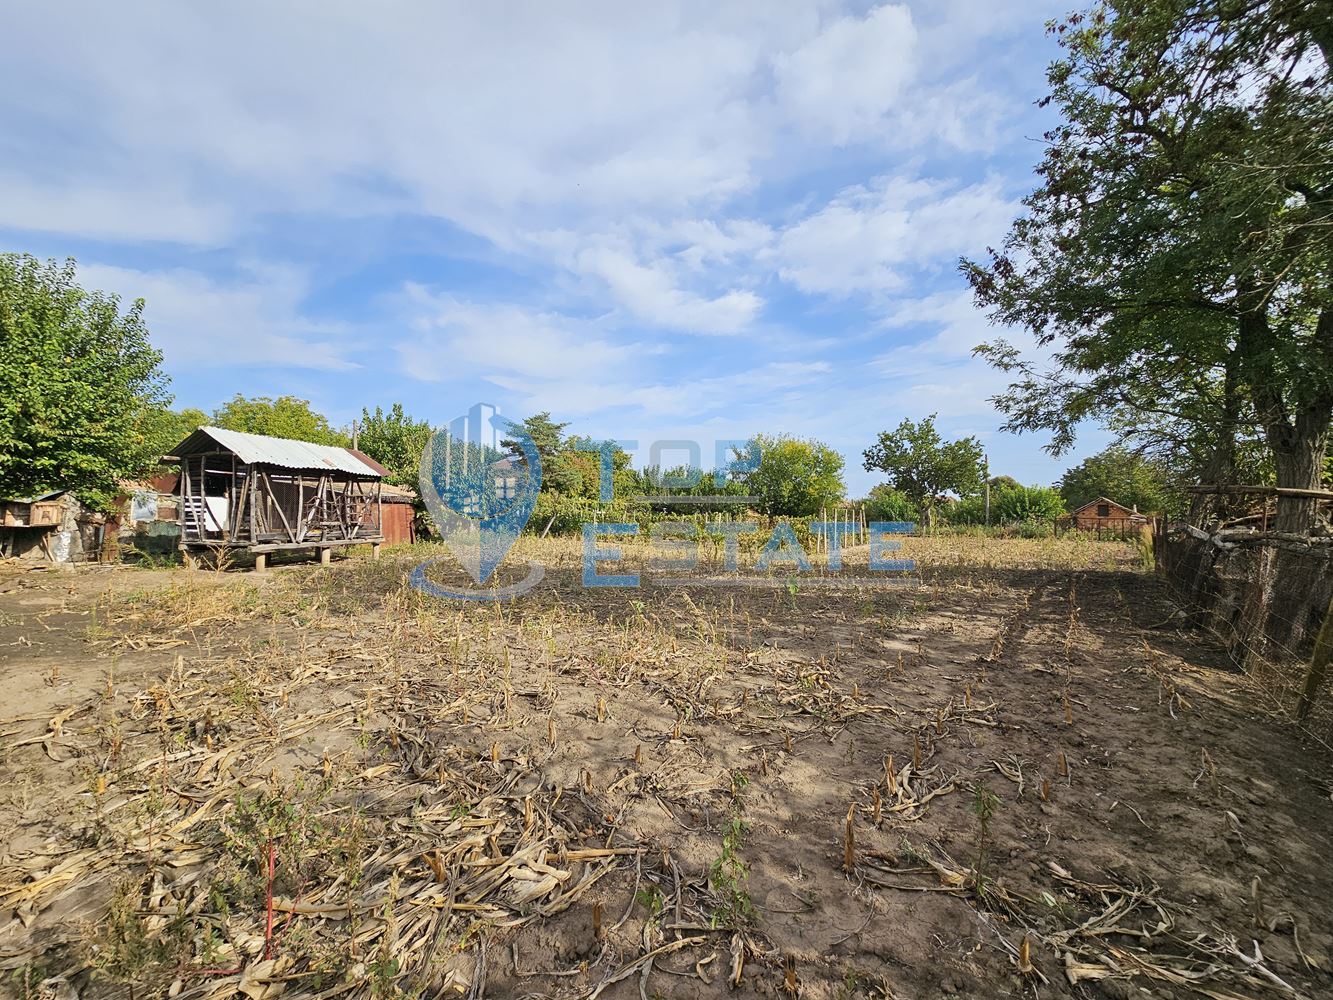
[{"x": 480, "y": 495}]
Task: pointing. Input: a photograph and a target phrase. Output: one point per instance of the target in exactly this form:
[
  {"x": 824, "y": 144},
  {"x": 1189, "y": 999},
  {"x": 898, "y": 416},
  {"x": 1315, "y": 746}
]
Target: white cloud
[
  {"x": 939, "y": 370},
  {"x": 454, "y": 339},
  {"x": 103, "y": 208},
  {"x": 201, "y": 322},
  {"x": 868, "y": 236},
  {"x": 667, "y": 405},
  {"x": 633, "y": 170},
  {"x": 842, "y": 82},
  {"x": 651, "y": 294}
]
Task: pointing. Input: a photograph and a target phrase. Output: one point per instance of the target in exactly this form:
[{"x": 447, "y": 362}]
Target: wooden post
[
  {"x": 1319, "y": 661},
  {"x": 325, "y": 555},
  {"x": 375, "y": 551},
  {"x": 252, "y": 480},
  {"x": 233, "y": 513},
  {"x": 182, "y": 487},
  {"x": 261, "y": 561}
]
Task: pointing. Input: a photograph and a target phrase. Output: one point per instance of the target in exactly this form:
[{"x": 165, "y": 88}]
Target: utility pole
[
  {"x": 986, "y": 464},
  {"x": 354, "y": 435}
]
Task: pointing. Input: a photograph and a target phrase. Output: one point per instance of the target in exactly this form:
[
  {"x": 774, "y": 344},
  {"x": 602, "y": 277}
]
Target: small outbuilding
[
  {"x": 398, "y": 514},
  {"x": 1105, "y": 516},
  {"x": 261, "y": 494},
  {"x": 147, "y": 518},
  {"x": 50, "y": 528}
]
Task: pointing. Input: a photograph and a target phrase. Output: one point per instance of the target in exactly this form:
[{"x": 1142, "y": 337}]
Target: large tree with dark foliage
[{"x": 1177, "y": 254}]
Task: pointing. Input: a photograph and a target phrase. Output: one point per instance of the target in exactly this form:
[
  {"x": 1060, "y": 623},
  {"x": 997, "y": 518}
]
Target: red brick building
[{"x": 1105, "y": 516}]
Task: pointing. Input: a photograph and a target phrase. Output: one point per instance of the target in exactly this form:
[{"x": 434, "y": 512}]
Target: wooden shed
[
  {"x": 53, "y": 527},
  {"x": 1105, "y": 517},
  {"x": 263, "y": 494},
  {"x": 398, "y": 514}
]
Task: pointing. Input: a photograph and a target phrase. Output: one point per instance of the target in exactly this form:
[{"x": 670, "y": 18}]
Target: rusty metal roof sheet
[{"x": 287, "y": 453}]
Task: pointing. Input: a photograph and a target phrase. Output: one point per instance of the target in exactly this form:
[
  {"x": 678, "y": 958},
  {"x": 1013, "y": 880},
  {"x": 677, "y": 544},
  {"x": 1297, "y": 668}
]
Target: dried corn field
[{"x": 1021, "y": 778}]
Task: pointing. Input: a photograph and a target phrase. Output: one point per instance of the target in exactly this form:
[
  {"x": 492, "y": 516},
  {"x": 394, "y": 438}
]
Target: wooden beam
[
  {"x": 285, "y": 523},
  {"x": 1280, "y": 491},
  {"x": 288, "y": 546}
]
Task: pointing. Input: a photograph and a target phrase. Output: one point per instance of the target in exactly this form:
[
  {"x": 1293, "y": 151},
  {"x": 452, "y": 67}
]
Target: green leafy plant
[
  {"x": 984, "y": 804},
  {"x": 728, "y": 877}
]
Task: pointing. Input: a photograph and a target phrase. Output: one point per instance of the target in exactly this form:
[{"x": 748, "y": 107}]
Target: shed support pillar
[
  {"x": 325, "y": 556},
  {"x": 261, "y": 562}
]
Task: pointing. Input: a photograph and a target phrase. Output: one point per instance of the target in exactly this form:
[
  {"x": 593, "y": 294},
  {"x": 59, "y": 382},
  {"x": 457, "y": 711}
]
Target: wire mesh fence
[{"x": 1266, "y": 604}]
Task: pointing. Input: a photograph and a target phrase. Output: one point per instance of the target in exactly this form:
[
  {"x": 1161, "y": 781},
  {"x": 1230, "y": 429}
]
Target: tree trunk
[
  {"x": 1298, "y": 456},
  {"x": 1220, "y": 469},
  {"x": 1299, "y": 440},
  {"x": 927, "y": 516}
]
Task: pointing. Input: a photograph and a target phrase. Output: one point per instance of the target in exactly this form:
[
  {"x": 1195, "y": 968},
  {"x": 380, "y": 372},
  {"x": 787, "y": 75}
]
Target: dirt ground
[{"x": 1023, "y": 777}]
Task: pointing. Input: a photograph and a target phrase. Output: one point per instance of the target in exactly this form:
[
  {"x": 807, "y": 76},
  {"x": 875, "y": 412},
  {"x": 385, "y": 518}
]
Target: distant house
[{"x": 1105, "y": 515}]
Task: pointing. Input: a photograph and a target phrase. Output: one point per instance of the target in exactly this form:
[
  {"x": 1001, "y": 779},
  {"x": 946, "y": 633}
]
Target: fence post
[{"x": 1319, "y": 661}]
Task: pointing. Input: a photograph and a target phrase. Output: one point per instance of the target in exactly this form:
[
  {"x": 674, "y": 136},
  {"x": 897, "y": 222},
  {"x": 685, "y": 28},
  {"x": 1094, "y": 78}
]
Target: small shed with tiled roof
[{"x": 1104, "y": 514}]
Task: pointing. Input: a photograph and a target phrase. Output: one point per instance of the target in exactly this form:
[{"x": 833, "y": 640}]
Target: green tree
[
  {"x": 563, "y": 469},
  {"x": 795, "y": 477},
  {"x": 1120, "y": 475},
  {"x": 1175, "y": 254},
  {"x": 82, "y": 394},
  {"x": 922, "y": 465},
  {"x": 285, "y": 416},
  {"x": 884, "y": 503},
  {"x": 395, "y": 440},
  {"x": 180, "y": 424},
  {"x": 580, "y": 470},
  {"x": 547, "y": 436}
]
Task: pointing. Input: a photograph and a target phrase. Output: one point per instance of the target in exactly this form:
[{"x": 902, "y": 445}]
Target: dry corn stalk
[{"x": 849, "y": 841}]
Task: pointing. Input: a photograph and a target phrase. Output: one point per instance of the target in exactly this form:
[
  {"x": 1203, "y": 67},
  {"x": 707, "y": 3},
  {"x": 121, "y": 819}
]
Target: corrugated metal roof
[{"x": 284, "y": 452}]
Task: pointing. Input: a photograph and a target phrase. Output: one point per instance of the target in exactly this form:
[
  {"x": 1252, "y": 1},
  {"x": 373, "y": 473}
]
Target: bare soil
[{"x": 1026, "y": 777}]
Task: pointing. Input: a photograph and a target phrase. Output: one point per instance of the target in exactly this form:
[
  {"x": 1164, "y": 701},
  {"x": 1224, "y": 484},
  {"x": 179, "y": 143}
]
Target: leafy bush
[
  {"x": 887, "y": 504},
  {"x": 1015, "y": 505},
  {"x": 1032, "y": 528},
  {"x": 1028, "y": 503},
  {"x": 567, "y": 515}
]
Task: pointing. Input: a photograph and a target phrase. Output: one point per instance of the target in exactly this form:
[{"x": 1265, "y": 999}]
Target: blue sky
[{"x": 665, "y": 221}]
